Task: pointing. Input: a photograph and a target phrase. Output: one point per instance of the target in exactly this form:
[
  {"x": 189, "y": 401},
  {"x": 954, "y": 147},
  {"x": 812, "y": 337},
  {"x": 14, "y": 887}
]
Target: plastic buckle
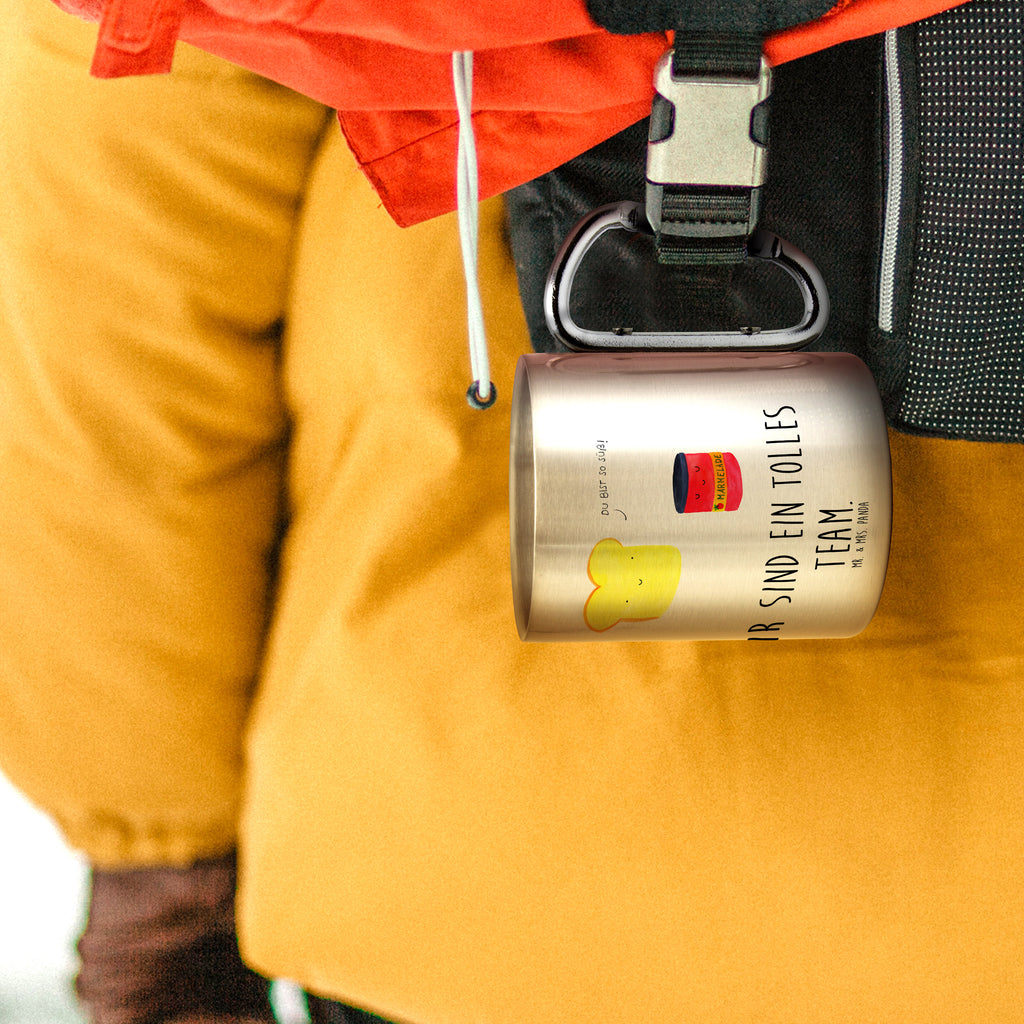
[
  {"x": 628, "y": 216},
  {"x": 705, "y": 132}
]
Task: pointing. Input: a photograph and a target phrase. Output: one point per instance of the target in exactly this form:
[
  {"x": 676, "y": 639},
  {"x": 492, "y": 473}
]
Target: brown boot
[{"x": 159, "y": 946}]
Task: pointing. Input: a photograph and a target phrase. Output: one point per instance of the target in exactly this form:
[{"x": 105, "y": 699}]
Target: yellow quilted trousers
[{"x": 146, "y": 234}]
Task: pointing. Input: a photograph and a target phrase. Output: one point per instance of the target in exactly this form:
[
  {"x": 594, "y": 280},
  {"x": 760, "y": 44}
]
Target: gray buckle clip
[
  {"x": 628, "y": 216},
  {"x": 706, "y": 132}
]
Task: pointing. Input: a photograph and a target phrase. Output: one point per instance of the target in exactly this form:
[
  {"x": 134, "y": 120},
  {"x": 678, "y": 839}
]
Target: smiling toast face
[{"x": 631, "y": 584}]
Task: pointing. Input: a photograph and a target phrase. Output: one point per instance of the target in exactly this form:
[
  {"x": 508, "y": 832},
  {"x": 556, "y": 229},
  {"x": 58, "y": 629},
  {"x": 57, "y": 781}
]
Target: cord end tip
[{"x": 481, "y": 401}]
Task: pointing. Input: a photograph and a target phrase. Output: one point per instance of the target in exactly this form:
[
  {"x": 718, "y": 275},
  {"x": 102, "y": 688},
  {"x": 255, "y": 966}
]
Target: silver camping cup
[{"x": 696, "y": 495}]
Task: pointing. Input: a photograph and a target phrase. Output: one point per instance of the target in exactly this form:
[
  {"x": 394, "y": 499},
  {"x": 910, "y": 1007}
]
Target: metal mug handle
[{"x": 628, "y": 216}]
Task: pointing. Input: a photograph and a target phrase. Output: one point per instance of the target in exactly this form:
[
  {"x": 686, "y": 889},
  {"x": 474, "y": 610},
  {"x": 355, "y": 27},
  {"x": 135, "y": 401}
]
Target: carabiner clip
[{"x": 628, "y": 216}]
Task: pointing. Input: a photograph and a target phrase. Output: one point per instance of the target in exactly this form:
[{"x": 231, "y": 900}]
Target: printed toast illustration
[{"x": 631, "y": 584}]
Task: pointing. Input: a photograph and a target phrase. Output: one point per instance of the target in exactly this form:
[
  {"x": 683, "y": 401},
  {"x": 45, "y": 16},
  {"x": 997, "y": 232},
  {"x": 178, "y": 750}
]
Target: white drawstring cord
[{"x": 481, "y": 393}]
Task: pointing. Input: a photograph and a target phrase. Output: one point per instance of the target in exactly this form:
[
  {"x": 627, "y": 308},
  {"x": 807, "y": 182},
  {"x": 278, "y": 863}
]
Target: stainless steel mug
[{"x": 689, "y": 495}]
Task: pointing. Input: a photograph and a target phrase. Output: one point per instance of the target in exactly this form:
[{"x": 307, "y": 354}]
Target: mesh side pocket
[{"x": 965, "y": 324}]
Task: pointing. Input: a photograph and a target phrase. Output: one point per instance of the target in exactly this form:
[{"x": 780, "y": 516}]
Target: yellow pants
[{"x": 236, "y": 460}]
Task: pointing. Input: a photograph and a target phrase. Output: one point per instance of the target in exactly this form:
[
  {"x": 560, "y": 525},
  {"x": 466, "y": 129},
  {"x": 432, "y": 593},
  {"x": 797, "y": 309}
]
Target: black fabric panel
[
  {"x": 758, "y": 17},
  {"x": 962, "y": 331},
  {"x": 823, "y": 190},
  {"x": 543, "y": 211}
]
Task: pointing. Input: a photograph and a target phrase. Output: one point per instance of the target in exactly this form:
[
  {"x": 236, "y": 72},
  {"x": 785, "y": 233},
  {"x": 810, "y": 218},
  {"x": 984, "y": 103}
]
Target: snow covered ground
[{"x": 42, "y": 890}]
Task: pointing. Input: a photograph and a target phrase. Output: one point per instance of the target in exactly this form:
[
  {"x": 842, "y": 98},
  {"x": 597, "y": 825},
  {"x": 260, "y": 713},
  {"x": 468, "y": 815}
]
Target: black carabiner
[{"x": 629, "y": 216}]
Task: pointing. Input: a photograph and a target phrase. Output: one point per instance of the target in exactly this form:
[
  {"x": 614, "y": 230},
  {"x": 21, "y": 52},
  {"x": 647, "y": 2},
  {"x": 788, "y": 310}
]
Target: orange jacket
[{"x": 549, "y": 83}]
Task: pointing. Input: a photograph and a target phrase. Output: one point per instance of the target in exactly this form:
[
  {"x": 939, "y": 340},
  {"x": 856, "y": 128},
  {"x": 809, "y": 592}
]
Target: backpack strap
[
  {"x": 709, "y": 124},
  {"x": 706, "y": 147},
  {"x": 731, "y": 17}
]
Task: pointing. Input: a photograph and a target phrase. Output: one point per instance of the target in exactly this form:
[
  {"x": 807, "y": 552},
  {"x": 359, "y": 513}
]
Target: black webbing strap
[
  {"x": 743, "y": 17},
  {"x": 713, "y": 54},
  {"x": 700, "y": 223},
  {"x": 686, "y": 208},
  {"x": 705, "y": 222}
]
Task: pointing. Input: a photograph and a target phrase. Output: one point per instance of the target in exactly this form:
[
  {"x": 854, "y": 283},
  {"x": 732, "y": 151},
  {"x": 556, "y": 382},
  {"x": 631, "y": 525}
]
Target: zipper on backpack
[{"x": 894, "y": 182}]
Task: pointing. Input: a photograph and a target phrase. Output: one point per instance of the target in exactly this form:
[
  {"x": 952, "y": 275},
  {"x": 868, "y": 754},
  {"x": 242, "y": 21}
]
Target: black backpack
[{"x": 896, "y": 163}]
